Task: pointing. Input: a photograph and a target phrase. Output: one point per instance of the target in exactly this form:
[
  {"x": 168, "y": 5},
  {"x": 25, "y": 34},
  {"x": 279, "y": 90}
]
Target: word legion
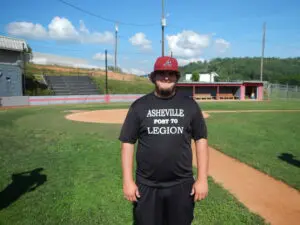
[{"x": 165, "y": 130}]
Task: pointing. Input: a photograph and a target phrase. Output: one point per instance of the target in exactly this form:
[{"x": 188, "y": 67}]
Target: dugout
[{"x": 222, "y": 90}]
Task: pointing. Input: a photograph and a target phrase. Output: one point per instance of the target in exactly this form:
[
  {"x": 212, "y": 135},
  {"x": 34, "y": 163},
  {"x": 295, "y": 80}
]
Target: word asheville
[{"x": 163, "y": 116}]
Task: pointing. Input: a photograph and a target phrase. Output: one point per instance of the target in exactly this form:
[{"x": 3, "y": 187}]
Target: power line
[
  {"x": 80, "y": 50},
  {"x": 104, "y": 18}
]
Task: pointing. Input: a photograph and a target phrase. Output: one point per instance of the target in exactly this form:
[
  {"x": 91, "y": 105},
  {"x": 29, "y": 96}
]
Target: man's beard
[{"x": 165, "y": 92}]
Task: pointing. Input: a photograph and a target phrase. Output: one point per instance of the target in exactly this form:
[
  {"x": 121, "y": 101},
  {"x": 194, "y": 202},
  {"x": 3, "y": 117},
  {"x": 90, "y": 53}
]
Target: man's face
[{"x": 165, "y": 82}]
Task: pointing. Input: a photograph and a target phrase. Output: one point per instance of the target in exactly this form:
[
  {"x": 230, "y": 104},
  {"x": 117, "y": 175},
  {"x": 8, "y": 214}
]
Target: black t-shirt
[{"x": 164, "y": 129}]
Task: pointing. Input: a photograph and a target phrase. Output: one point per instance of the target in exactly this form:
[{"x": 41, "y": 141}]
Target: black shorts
[{"x": 164, "y": 206}]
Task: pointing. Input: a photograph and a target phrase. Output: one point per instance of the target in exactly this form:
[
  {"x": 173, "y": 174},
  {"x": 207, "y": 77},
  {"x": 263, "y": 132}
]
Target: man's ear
[{"x": 152, "y": 77}]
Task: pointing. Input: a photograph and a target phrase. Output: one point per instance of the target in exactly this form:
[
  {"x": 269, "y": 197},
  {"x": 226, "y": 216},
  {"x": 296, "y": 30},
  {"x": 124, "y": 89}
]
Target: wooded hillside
[{"x": 276, "y": 70}]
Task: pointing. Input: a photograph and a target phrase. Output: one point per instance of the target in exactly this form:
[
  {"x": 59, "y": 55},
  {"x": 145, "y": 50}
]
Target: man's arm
[
  {"x": 202, "y": 157},
  {"x": 200, "y": 187},
  {"x": 130, "y": 189}
]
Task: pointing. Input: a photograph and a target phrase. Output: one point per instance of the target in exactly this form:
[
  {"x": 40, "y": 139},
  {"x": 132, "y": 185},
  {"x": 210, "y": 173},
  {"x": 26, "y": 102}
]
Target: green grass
[
  {"x": 124, "y": 87},
  {"x": 258, "y": 139},
  {"x": 82, "y": 165},
  {"x": 52, "y": 70},
  {"x": 247, "y": 105}
]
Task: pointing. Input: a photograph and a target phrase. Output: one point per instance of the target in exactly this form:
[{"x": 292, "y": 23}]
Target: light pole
[
  {"x": 163, "y": 24},
  {"x": 116, "y": 45}
]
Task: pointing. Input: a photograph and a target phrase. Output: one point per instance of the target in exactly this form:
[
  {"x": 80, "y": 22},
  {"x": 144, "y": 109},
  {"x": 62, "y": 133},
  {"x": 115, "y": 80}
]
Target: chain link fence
[{"x": 281, "y": 92}]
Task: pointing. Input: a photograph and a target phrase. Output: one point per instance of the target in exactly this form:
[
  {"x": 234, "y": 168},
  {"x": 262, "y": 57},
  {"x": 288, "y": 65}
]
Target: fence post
[{"x": 287, "y": 90}]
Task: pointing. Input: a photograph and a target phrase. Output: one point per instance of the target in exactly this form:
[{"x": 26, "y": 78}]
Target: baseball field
[{"x": 56, "y": 170}]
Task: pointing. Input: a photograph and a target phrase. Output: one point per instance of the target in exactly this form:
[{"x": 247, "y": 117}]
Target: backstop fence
[{"x": 281, "y": 92}]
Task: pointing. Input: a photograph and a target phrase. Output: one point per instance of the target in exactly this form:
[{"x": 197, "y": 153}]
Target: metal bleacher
[{"x": 71, "y": 85}]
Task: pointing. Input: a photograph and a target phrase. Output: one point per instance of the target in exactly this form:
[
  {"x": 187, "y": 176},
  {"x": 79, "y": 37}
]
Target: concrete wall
[
  {"x": 14, "y": 101},
  {"x": 10, "y": 80},
  {"x": 70, "y": 99},
  {"x": 122, "y": 98},
  {"x": 80, "y": 99},
  {"x": 7, "y": 56}
]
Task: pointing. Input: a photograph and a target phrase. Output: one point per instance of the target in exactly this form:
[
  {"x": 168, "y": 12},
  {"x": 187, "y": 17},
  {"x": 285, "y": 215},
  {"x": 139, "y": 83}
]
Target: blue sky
[{"x": 196, "y": 30}]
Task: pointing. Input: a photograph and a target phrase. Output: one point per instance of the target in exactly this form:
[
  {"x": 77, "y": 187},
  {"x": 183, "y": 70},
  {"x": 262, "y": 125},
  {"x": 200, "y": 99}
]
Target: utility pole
[
  {"x": 262, "y": 52},
  {"x": 116, "y": 46},
  {"x": 163, "y": 24},
  {"x": 24, "y": 69},
  {"x": 106, "y": 91}
]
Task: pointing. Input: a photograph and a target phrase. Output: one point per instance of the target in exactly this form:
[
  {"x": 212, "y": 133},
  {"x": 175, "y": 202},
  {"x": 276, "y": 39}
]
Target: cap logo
[{"x": 168, "y": 63}]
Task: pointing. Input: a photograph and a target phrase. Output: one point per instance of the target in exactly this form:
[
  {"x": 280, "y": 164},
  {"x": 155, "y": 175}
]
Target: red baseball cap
[{"x": 166, "y": 63}]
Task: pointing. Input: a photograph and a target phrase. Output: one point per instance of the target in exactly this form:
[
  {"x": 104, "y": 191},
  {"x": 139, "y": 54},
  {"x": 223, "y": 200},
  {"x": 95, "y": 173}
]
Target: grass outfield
[
  {"x": 266, "y": 141},
  {"x": 81, "y": 178},
  {"x": 248, "y": 105},
  {"x": 259, "y": 139}
]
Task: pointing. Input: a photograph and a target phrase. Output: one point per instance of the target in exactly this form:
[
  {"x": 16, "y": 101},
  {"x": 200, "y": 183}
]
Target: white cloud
[
  {"x": 183, "y": 62},
  {"x": 221, "y": 45},
  {"x": 188, "y": 44},
  {"x": 97, "y": 37},
  {"x": 101, "y": 56},
  {"x": 140, "y": 40},
  {"x": 51, "y": 59},
  {"x": 134, "y": 71},
  {"x": 60, "y": 29},
  {"x": 30, "y": 30}
]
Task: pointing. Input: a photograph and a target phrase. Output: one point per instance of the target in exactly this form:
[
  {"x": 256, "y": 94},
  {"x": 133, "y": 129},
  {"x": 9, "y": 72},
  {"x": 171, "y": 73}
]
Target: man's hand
[
  {"x": 200, "y": 189},
  {"x": 131, "y": 191}
]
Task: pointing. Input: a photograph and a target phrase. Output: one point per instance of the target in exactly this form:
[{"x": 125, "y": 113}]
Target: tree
[
  {"x": 28, "y": 50},
  {"x": 27, "y": 54},
  {"x": 112, "y": 68},
  {"x": 195, "y": 76},
  {"x": 275, "y": 69}
]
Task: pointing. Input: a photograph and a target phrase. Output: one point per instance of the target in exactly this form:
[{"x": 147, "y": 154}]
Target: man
[{"x": 164, "y": 123}]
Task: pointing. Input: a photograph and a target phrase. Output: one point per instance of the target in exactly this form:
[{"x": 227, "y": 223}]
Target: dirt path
[{"x": 275, "y": 201}]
